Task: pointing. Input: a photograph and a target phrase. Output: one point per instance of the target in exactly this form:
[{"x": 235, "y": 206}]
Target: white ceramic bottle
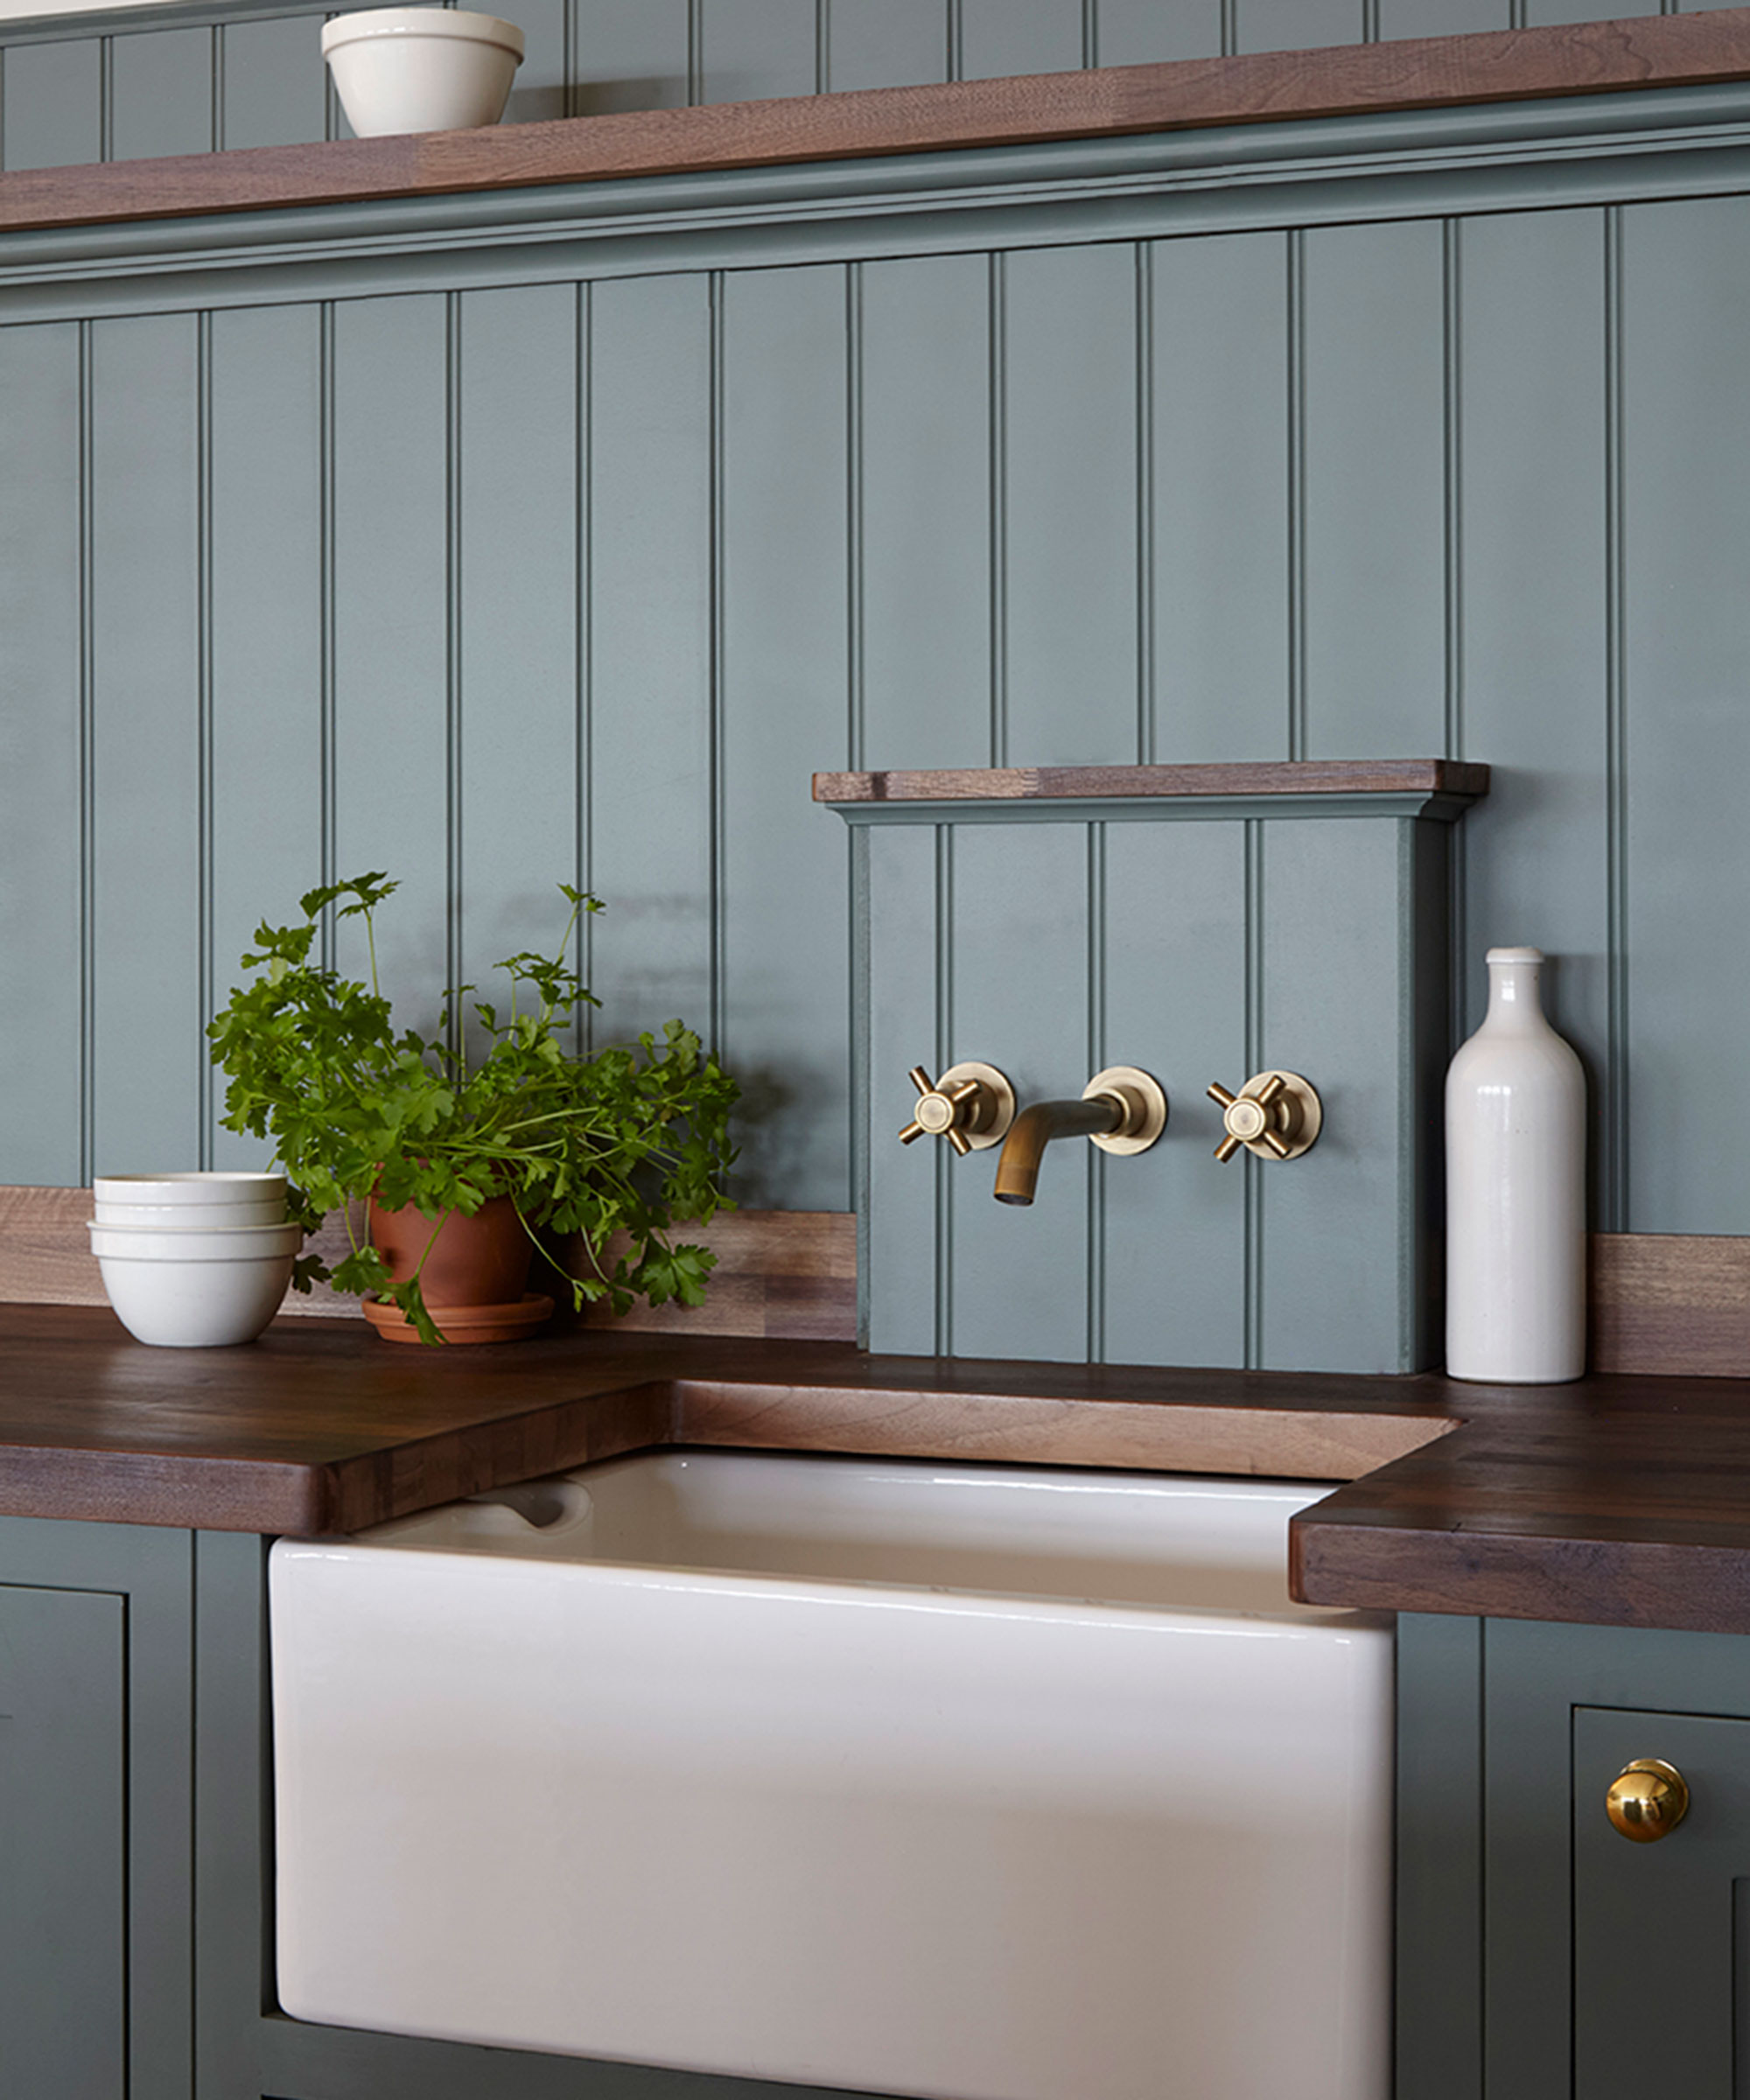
[{"x": 1516, "y": 1191}]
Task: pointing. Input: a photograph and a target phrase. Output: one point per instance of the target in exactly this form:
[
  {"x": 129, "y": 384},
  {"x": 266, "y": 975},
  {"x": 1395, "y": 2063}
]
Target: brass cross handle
[
  {"x": 971, "y": 1105},
  {"x": 1276, "y": 1116}
]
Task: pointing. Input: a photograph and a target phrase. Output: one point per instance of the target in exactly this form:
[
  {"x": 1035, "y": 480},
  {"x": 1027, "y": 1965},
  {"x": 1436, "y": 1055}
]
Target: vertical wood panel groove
[
  {"x": 106, "y": 98},
  {"x": 956, "y": 39},
  {"x": 582, "y": 874},
  {"x": 1254, "y": 1036},
  {"x": 455, "y": 845},
  {"x": 1097, "y": 1061},
  {"x": 1458, "y": 931},
  {"x": 87, "y": 767},
  {"x": 999, "y": 500},
  {"x": 328, "y": 730},
  {"x": 215, "y": 58},
  {"x": 1147, "y": 604},
  {"x": 944, "y": 1057},
  {"x": 1091, "y": 57},
  {"x": 1297, "y": 493},
  {"x": 1230, "y": 28},
  {"x": 205, "y": 809},
  {"x": 823, "y": 46},
  {"x": 856, "y": 656},
  {"x": 695, "y": 50},
  {"x": 716, "y": 647},
  {"x": 1613, "y": 1182}
]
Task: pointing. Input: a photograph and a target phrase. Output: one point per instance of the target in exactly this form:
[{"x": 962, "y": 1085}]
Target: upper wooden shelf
[
  {"x": 1449, "y": 779},
  {"x": 1583, "y": 58}
]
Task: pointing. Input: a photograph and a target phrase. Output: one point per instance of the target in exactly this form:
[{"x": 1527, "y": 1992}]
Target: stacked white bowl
[{"x": 194, "y": 1261}]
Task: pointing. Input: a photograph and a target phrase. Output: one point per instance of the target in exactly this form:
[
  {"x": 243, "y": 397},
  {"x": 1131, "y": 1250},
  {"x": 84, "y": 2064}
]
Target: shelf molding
[
  {"x": 1442, "y": 788},
  {"x": 1422, "y": 73}
]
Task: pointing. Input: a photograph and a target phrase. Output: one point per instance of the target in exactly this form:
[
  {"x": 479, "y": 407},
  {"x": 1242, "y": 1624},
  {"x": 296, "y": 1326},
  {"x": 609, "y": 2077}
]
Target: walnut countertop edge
[{"x": 1621, "y": 1500}]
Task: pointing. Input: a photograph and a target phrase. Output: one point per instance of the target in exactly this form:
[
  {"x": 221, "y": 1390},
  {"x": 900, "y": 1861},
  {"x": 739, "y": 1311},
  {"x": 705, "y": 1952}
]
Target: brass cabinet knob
[
  {"x": 971, "y": 1105},
  {"x": 1276, "y": 1116},
  {"x": 1648, "y": 1800}
]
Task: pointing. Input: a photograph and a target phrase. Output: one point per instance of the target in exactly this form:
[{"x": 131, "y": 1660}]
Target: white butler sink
[{"x": 974, "y": 1783}]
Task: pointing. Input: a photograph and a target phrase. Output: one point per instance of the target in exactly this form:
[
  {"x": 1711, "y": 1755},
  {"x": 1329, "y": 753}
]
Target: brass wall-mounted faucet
[{"x": 1122, "y": 1110}]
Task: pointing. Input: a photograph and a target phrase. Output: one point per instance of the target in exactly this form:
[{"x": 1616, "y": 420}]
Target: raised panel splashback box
[{"x": 1205, "y": 923}]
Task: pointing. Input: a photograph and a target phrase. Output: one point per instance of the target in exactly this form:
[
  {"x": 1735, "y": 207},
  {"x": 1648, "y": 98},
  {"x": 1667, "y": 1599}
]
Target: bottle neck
[{"x": 1515, "y": 996}]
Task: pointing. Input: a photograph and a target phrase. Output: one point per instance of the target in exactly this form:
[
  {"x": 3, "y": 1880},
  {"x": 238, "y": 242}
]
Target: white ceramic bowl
[
  {"x": 197, "y": 1200},
  {"x": 188, "y": 1290},
  {"x": 421, "y": 68}
]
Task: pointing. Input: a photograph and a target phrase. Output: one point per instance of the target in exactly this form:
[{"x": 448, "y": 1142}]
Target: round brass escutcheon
[
  {"x": 971, "y": 1105},
  {"x": 1648, "y": 1800},
  {"x": 1145, "y": 1099}
]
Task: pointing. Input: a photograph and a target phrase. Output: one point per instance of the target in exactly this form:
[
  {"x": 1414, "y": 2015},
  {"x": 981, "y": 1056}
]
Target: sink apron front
[{"x": 975, "y": 1783}]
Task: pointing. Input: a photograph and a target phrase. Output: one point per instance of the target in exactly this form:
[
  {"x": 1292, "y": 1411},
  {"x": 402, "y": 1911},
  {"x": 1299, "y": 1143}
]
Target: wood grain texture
[
  {"x": 319, "y": 1426},
  {"x": 1670, "y": 1302},
  {"x": 1581, "y": 58},
  {"x": 780, "y": 1272},
  {"x": 1446, "y": 777}
]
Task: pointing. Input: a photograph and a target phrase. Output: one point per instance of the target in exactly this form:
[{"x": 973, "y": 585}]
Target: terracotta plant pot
[{"x": 477, "y": 1269}]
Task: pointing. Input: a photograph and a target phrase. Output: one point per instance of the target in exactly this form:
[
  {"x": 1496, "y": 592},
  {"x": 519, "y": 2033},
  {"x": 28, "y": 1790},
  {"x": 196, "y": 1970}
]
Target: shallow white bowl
[
  {"x": 190, "y": 1289},
  {"x": 421, "y": 68}
]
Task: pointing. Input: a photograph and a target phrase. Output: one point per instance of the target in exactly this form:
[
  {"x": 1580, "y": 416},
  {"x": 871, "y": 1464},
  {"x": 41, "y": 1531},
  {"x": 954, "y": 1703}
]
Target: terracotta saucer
[{"x": 464, "y": 1323}]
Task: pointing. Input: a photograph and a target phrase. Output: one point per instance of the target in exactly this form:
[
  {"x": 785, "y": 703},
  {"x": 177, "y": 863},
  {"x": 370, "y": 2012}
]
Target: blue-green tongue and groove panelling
[
  {"x": 495, "y": 541},
  {"x": 1201, "y": 943}
]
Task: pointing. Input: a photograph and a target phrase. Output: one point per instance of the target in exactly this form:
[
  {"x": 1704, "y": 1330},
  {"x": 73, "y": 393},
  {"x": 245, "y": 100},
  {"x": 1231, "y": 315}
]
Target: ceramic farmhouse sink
[{"x": 981, "y": 1783}]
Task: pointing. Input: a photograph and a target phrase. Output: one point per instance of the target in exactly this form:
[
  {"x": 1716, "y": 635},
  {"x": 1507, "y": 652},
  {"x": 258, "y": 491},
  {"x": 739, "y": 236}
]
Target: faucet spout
[{"x": 1035, "y": 1127}]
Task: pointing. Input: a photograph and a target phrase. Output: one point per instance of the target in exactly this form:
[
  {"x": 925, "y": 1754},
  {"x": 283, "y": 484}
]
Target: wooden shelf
[
  {"x": 1450, "y": 779},
  {"x": 1573, "y": 58}
]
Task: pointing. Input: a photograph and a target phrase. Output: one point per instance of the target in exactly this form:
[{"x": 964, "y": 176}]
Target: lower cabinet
[{"x": 1540, "y": 1952}]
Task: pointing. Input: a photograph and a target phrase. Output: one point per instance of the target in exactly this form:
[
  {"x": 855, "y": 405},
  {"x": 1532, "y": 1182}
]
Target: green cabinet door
[
  {"x": 1657, "y": 1954},
  {"x": 63, "y": 1881}
]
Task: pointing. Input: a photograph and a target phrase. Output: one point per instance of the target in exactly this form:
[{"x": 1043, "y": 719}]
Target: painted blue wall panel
[
  {"x": 905, "y": 1269},
  {"x": 1069, "y": 489},
  {"x": 653, "y": 818},
  {"x": 1175, "y": 1004},
  {"x": 631, "y": 54},
  {"x": 751, "y": 49},
  {"x": 997, "y": 37},
  {"x": 53, "y": 104},
  {"x": 1143, "y": 32},
  {"x": 1686, "y": 613},
  {"x": 785, "y": 1023},
  {"x": 518, "y": 641},
  {"x": 1218, "y": 496},
  {"x": 1333, "y": 1233},
  {"x": 887, "y": 43},
  {"x": 539, "y": 91},
  {"x": 1443, "y": 18},
  {"x": 41, "y": 916},
  {"x": 1535, "y": 621},
  {"x": 1298, "y": 24},
  {"x": 1374, "y": 500},
  {"x": 1020, "y": 976},
  {"x": 394, "y": 786},
  {"x": 268, "y": 745},
  {"x": 146, "y": 724},
  {"x": 273, "y": 82},
  {"x": 161, "y": 93},
  {"x": 922, "y": 443}
]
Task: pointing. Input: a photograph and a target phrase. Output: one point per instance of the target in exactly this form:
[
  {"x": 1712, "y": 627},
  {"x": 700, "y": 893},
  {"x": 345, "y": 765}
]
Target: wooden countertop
[{"x": 1621, "y": 1500}]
